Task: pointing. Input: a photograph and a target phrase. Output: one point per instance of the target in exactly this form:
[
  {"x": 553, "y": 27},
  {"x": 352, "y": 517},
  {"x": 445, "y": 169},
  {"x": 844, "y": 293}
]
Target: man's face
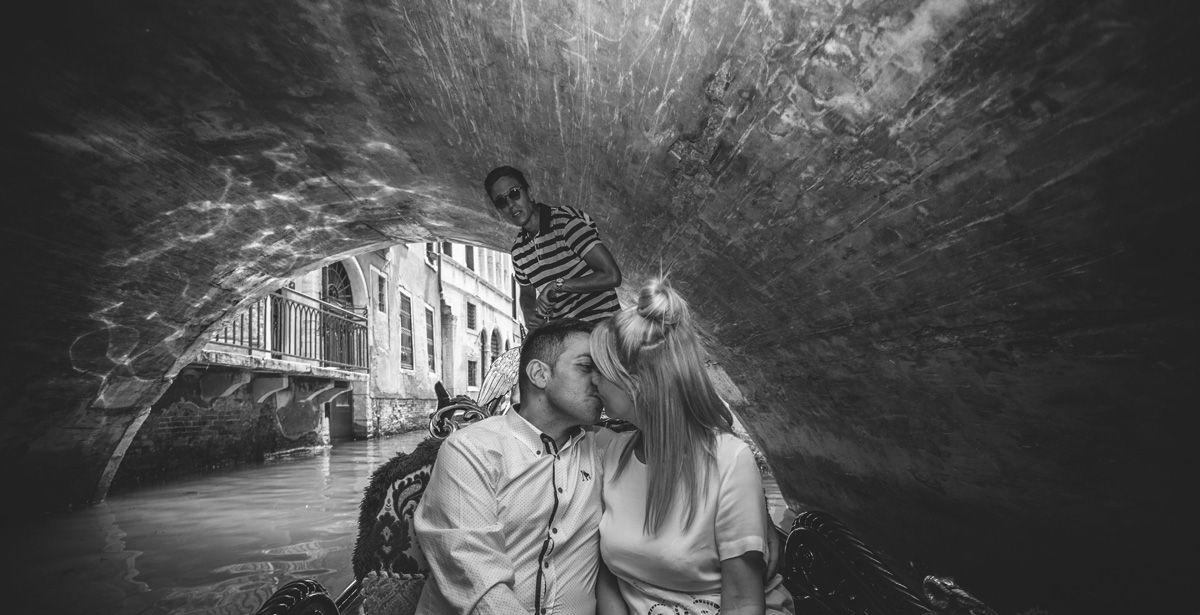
[
  {"x": 571, "y": 389},
  {"x": 516, "y": 212},
  {"x": 617, "y": 402}
]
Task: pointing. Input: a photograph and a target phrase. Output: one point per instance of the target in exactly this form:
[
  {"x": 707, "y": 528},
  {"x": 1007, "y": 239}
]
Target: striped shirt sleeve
[
  {"x": 580, "y": 232},
  {"x": 518, "y": 271}
]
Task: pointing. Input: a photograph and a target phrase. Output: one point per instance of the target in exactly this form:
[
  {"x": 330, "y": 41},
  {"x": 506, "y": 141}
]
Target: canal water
[{"x": 213, "y": 544}]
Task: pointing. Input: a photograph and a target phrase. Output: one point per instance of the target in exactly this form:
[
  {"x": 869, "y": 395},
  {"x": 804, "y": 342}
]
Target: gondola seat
[{"x": 387, "y": 561}]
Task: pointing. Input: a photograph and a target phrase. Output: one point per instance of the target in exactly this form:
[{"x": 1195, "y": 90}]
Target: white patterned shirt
[{"x": 507, "y": 525}]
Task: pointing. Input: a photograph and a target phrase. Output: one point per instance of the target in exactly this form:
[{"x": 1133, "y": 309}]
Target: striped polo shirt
[{"x": 564, "y": 237}]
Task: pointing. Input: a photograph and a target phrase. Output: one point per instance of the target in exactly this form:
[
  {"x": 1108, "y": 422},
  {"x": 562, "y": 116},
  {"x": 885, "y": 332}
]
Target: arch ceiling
[{"x": 942, "y": 246}]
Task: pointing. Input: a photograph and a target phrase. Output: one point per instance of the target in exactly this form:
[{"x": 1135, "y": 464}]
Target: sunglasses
[{"x": 502, "y": 200}]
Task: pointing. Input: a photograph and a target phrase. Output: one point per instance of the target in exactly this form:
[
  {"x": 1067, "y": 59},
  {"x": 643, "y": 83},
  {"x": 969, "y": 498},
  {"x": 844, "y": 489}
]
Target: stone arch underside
[{"x": 942, "y": 247}]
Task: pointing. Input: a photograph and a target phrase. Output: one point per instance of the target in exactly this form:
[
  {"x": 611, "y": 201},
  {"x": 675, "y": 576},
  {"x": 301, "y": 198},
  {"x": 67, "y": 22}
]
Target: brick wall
[
  {"x": 186, "y": 434},
  {"x": 394, "y": 415}
]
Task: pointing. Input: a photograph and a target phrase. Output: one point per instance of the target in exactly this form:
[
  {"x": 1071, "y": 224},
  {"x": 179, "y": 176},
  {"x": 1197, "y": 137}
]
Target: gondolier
[{"x": 561, "y": 265}]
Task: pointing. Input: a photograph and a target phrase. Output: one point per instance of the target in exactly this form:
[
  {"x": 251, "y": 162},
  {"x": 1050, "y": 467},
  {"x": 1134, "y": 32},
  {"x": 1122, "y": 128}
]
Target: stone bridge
[{"x": 941, "y": 247}]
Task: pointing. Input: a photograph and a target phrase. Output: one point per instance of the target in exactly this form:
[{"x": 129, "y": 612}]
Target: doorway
[{"x": 341, "y": 417}]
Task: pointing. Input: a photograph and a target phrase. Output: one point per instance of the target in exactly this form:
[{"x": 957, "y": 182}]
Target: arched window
[
  {"x": 335, "y": 285},
  {"x": 495, "y": 343},
  {"x": 339, "y": 344}
]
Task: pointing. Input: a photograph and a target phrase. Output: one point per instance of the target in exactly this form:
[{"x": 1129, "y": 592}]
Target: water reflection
[{"x": 216, "y": 544}]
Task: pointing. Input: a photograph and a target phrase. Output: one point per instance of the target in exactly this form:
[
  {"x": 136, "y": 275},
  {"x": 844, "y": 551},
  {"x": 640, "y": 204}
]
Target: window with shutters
[
  {"x": 381, "y": 293},
  {"x": 406, "y": 331},
  {"x": 429, "y": 342}
]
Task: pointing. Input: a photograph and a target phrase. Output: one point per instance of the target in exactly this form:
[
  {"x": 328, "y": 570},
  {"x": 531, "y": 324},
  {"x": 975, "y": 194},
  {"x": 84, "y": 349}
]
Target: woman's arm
[
  {"x": 608, "y": 594},
  {"x": 742, "y": 585}
]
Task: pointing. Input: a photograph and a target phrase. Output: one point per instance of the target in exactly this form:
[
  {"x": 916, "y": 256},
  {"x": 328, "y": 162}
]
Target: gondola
[{"x": 828, "y": 570}]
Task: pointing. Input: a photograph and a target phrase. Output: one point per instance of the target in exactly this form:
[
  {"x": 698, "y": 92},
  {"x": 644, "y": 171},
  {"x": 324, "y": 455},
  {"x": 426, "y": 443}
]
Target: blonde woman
[{"x": 683, "y": 528}]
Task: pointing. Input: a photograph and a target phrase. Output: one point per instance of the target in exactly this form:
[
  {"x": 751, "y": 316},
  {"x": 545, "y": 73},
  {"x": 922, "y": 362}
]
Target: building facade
[
  {"x": 479, "y": 316},
  {"x": 453, "y": 311},
  {"x": 352, "y": 349}
]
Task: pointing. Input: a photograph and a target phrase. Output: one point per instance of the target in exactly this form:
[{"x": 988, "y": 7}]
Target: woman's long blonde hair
[{"x": 653, "y": 351}]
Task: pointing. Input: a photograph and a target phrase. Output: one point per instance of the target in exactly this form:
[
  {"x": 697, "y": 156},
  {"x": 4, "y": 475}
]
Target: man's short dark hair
[
  {"x": 499, "y": 172},
  {"x": 545, "y": 344}
]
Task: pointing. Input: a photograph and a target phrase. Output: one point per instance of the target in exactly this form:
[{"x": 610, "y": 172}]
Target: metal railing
[{"x": 293, "y": 325}]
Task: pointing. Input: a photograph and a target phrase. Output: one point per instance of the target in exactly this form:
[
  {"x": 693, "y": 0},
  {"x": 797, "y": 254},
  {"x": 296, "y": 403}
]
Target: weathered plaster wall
[
  {"x": 408, "y": 275},
  {"x": 941, "y": 246},
  {"x": 396, "y": 415}
]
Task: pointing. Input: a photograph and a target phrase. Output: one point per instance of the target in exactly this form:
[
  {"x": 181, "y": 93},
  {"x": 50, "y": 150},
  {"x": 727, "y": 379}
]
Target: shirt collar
[
  {"x": 534, "y": 438},
  {"x": 543, "y": 222}
]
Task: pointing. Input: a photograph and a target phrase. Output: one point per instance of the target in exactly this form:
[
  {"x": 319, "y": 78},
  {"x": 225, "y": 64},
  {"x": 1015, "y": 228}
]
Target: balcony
[{"x": 294, "y": 327}]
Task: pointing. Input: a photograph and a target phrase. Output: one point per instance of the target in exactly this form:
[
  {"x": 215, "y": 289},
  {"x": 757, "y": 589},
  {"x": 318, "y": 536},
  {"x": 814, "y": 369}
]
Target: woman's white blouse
[{"x": 678, "y": 570}]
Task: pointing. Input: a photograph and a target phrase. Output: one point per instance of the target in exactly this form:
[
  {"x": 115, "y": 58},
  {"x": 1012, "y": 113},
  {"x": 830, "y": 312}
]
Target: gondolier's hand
[{"x": 545, "y": 299}]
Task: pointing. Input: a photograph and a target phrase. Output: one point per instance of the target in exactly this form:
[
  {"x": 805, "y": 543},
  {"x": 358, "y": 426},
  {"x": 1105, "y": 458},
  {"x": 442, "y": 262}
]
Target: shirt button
[
  {"x": 547, "y": 564},
  {"x": 538, "y": 452},
  {"x": 554, "y": 531},
  {"x": 560, "y": 489}
]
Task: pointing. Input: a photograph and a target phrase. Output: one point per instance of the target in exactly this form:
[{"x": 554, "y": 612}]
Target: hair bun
[{"x": 658, "y": 302}]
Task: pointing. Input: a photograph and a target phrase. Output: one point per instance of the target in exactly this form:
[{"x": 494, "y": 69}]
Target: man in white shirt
[{"x": 510, "y": 520}]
